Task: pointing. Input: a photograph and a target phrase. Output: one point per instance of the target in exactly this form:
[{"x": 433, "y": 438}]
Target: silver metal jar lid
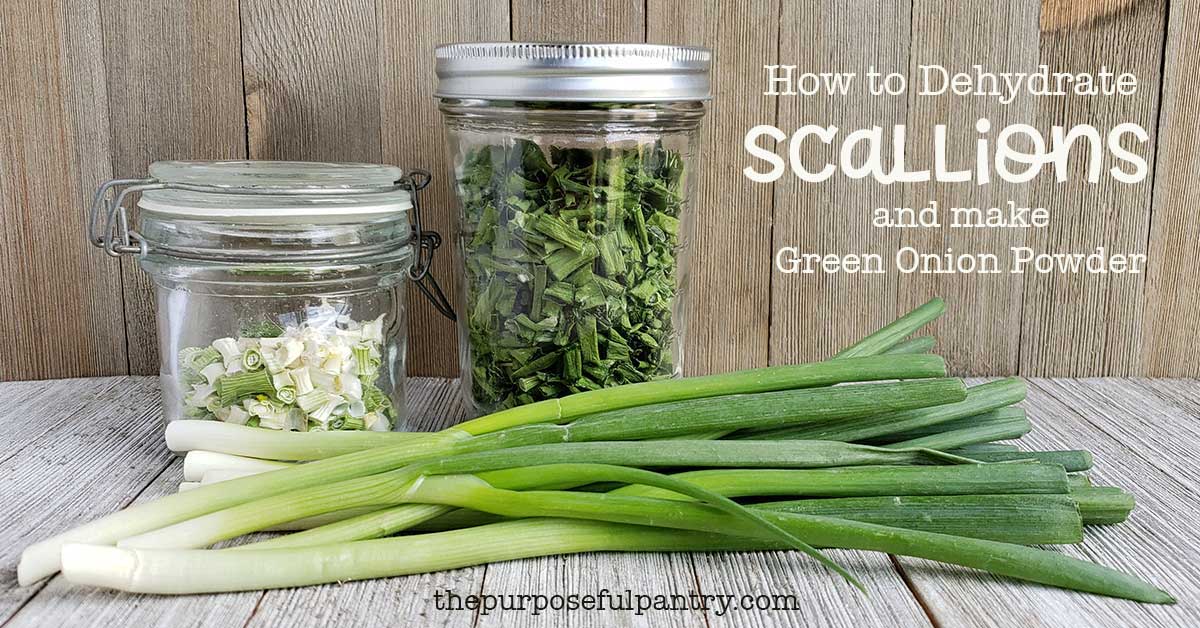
[{"x": 636, "y": 73}]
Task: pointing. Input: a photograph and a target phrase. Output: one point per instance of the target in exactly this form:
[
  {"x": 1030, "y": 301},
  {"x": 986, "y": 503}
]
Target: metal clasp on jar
[
  {"x": 427, "y": 243},
  {"x": 116, "y": 237}
]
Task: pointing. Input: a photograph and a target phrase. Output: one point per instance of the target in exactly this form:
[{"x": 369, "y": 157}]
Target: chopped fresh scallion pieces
[
  {"x": 252, "y": 360},
  {"x": 313, "y": 400},
  {"x": 327, "y": 353},
  {"x": 234, "y": 388},
  {"x": 286, "y": 394}
]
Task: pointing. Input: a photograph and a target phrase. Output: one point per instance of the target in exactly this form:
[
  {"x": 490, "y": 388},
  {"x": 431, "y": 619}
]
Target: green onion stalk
[
  {"x": 979, "y": 399},
  {"x": 874, "y": 481},
  {"x": 862, "y": 481},
  {"x": 470, "y": 489},
  {"x": 1005, "y": 424},
  {"x": 197, "y": 463},
  {"x": 1010, "y": 518},
  {"x": 253, "y": 442},
  {"x": 1019, "y": 503},
  {"x": 353, "y": 526},
  {"x": 980, "y": 448},
  {"x": 981, "y": 420},
  {"x": 920, "y": 344},
  {"x": 43, "y": 559},
  {"x": 1102, "y": 505},
  {"x": 840, "y": 402},
  {"x": 393, "y": 488},
  {"x": 209, "y": 571},
  {"x": 185, "y": 436},
  {"x": 1078, "y": 480},
  {"x": 1024, "y": 519},
  {"x": 893, "y": 334},
  {"x": 1073, "y": 460}
]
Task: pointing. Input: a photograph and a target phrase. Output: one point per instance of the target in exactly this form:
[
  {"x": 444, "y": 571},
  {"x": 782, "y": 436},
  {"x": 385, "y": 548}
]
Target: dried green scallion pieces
[{"x": 571, "y": 268}]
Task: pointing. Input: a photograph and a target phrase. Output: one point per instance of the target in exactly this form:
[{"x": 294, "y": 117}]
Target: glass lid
[
  {"x": 280, "y": 175},
  {"x": 276, "y": 190}
]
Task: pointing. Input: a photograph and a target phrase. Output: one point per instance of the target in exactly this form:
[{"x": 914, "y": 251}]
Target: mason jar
[
  {"x": 279, "y": 285},
  {"x": 576, "y": 168}
]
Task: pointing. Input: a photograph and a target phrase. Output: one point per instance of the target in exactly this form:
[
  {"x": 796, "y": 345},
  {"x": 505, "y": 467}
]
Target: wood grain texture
[
  {"x": 1140, "y": 420},
  {"x": 1088, "y": 324},
  {"x": 1172, "y": 288},
  {"x": 979, "y": 332},
  {"x": 642, "y": 573},
  {"x": 132, "y": 463},
  {"x": 821, "y": 597},
  {"x": 174, "y": 90},
  {"x": 103, "y": 445},
  {"x": 61, "y": 603},
  {"x": 834, "y": 216},
  {"x": 25, "y": 424},
  {"x": 411, "y": 128},
  {"x": 1182, "y": 393},
  {"x": 1159, "y": 542},
  {"x": 60, "y": 298},
  {"x": 579, "y": 20},
  {"x": 406, "y": 601},
  {"x": 727, "y": 292},
  {"x": 311, "y": 80}
]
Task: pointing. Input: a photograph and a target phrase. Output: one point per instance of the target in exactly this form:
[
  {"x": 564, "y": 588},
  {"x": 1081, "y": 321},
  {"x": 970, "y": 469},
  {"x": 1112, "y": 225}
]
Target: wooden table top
[{"x": 72, "y": 450}]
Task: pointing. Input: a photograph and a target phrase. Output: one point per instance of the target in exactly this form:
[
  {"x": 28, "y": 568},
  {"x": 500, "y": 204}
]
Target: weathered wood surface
[
  {"x": 1091, "y": 324},
  {"x": 579, "y": 20},
  {"x": 174, "y": 87},
  {"x": 61, "y": 303},
  {"x": 833, "y": 216},
  {"x": 728, "y": 292},
  {"x": 85, "y": 446},
  {"x": 1173, "y": 285},
  {"x": 978, "y": 338},
  {"x": 74, "y": 449},
  {"x": 121, "y": 83}
]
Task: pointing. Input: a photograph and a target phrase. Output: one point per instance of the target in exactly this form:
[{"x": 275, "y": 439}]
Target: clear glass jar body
[
  {"x": 574, "y": 234},
  {"x": 225, "y": 290}
]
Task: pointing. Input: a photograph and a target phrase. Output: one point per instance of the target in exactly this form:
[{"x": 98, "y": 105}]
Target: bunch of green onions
[{"x": 875, "y": 449}]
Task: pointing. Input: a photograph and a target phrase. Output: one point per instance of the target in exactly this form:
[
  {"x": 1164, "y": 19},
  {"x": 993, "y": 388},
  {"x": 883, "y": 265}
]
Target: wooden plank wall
[{"x": 121, "y": 83}]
